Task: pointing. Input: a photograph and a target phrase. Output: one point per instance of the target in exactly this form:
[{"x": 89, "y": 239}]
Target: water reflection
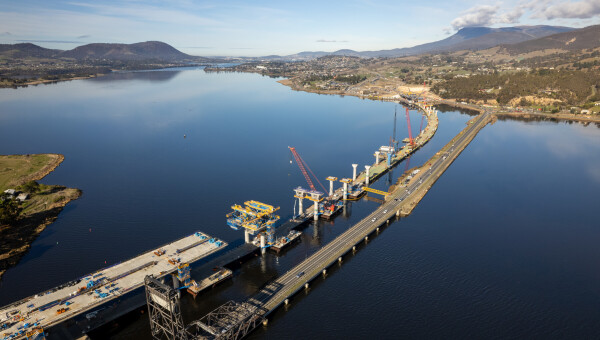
[{"x": 150, "y": 76}]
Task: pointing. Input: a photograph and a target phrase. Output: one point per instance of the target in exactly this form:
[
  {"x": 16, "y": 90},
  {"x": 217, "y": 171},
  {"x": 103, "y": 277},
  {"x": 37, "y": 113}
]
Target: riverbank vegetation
[{"x": 26, "y": 206}]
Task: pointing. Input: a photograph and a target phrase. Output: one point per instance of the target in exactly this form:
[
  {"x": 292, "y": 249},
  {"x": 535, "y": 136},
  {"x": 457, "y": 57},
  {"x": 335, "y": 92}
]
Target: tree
[
  {"x": 31, "y": 187},
  {"x": 9, "y": 210}
]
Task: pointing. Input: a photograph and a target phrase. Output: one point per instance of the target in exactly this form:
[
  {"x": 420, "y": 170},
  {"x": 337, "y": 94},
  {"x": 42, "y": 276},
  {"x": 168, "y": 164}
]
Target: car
[
  {"x": 396, "y": 199},
  {"x": 385, "y": 211},
  {"x": 300, "y": 274},
  {"x": 374, "y": 219}
]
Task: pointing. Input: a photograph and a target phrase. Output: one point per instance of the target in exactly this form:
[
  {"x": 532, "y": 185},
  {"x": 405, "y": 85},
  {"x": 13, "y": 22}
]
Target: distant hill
[
  {"x": 468, "y": 38},
  {"x": 19, "y": 51},
  {"x": 149, "y": 50},
  {"x": 584, "y": 38},
  {"x": 138, "y": 51}
]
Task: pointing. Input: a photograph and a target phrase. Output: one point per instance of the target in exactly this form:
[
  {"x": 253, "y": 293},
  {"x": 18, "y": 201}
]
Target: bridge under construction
[{"x": 234, "y": 320}]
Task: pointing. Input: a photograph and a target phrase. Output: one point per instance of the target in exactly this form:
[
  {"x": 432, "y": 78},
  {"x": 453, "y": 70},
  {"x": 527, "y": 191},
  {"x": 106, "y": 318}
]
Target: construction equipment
[
  {"x": 394, "y": 142},
  {"x": 36, "y": 333},
  {"x": 375, "y": 191},
  {"x": 254, "y": 217},
  {"x": 183, "y": 274},
  {"x": 303, "y": 166},
  {"x": 410, "y": 137}
]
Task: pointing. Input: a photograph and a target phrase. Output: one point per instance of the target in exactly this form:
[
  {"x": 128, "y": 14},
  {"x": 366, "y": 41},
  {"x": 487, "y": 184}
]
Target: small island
[{"x": 26, "y": 206}]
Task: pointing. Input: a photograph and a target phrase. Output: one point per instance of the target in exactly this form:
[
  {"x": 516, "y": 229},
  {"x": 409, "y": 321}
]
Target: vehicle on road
[{"x": 300, "y": 274}]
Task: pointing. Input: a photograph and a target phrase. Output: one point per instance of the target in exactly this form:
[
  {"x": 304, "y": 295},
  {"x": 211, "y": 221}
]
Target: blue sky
[{"x": 257, "y": 28}]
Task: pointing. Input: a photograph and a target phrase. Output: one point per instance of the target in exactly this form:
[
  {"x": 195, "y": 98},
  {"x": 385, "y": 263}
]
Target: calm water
[{"x": 504, "y": 245}]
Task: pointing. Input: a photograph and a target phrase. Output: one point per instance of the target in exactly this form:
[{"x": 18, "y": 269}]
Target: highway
[{"x": 275, "y": 293}]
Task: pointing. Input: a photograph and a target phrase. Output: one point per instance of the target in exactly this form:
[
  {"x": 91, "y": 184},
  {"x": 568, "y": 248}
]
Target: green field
[{"x": 15, "y": 168}]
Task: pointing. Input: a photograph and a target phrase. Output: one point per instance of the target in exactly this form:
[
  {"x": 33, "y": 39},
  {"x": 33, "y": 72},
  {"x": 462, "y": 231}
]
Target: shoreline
[
  {"x": 557, "y": 116},
  {"x": 47, "y": 81},
  {"x": 18, "y": 237},
  {"x": 514, "y": 115}
]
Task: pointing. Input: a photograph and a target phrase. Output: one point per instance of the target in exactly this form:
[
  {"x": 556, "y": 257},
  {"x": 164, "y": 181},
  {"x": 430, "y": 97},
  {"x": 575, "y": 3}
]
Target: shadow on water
[{"x": 158, "y": 76}]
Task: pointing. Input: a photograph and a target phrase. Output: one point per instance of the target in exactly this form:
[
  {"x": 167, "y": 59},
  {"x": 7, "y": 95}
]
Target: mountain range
[
  {"x": 513, "y": 40},
  {"x": 587, "y": 37},
  {"x": 468, "y": 38},
  {"x": 149, "y": 50}
]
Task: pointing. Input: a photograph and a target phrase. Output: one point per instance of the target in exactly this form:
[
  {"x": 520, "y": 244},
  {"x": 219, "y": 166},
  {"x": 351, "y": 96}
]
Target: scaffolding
[
  {"x": 255, "y": 218},
  {"x": 183, "y": 274},
  {"x": 164, "y": 311}
]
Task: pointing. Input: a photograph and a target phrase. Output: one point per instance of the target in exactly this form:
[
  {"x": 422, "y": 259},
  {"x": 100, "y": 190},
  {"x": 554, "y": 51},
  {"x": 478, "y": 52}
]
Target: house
[
  {"x": 10, "y": 192},
  {"x": 22, "y": 197}
]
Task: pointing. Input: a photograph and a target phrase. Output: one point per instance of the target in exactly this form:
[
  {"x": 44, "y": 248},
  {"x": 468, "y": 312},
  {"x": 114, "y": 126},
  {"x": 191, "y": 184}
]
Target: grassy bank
[{"x": 22, "y": 222}]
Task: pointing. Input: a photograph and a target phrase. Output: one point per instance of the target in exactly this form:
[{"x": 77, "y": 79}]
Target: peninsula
[{"x": 26, "y": 206}]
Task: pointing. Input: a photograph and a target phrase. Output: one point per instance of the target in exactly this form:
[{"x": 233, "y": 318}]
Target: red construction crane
[
  {"x": 422, "y": 119},
  {"x": 410, "y": 137},
  {"x": 303, "y": 166}
]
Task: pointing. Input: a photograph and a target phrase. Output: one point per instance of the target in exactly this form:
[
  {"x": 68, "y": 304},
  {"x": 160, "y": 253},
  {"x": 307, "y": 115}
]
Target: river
[{"x": 504, "y": 245}]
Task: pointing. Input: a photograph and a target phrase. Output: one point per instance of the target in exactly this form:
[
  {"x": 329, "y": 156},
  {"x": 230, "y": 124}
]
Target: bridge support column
[
  {"x": 265, "y": 322},
  {"x": 330, "y": 188},
  {"x": 324, "y": 271},
  {"x": 340, "y": 259},
  {"x": 367, "y": 175},
  {"x": 287, "y": 301},
  {"x": 306, "y": 285},
  {"x": 176, "y": 284},
  {"x": 366, "y": 238},
  {"x": 246, "y": 236},
  {"x": 300, "y": 206},
  {"x": 353, "y": 248},
  {"x": 345, "y": 191},
  {"x": 398, "y": 213},
  {"x": 377, "y": 157},
  {"x": 263, "y": 241},
  {"x": 377, "y": 229},
  {"x": 316, "y": 211},
  {"x": 354, "y": 172}
]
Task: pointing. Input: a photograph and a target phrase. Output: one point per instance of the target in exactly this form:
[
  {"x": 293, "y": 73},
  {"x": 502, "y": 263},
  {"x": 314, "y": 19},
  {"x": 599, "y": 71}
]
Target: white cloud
[
  {"x": 580, "y": 10},
  {"x": 150, "y": 14},
  {"x": 476, "y": 16},
  {"x": 331, "y": 41},
  {"x": 486, "y": 15}
]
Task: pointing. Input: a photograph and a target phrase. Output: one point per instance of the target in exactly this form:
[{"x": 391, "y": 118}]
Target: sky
[{"x": 264, "y": 27}]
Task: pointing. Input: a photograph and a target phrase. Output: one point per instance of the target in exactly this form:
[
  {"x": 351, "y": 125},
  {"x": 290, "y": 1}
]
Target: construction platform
[
  {"x": 285, "y": 241},
  {"x": 222, "y": 274},
  {"x": 54, "y": 306}
]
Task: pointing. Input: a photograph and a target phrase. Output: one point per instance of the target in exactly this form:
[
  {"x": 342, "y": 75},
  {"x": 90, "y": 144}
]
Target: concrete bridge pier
[
  {"x": 345, "y": 191},
  {"x": 263, "y": 242}
]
